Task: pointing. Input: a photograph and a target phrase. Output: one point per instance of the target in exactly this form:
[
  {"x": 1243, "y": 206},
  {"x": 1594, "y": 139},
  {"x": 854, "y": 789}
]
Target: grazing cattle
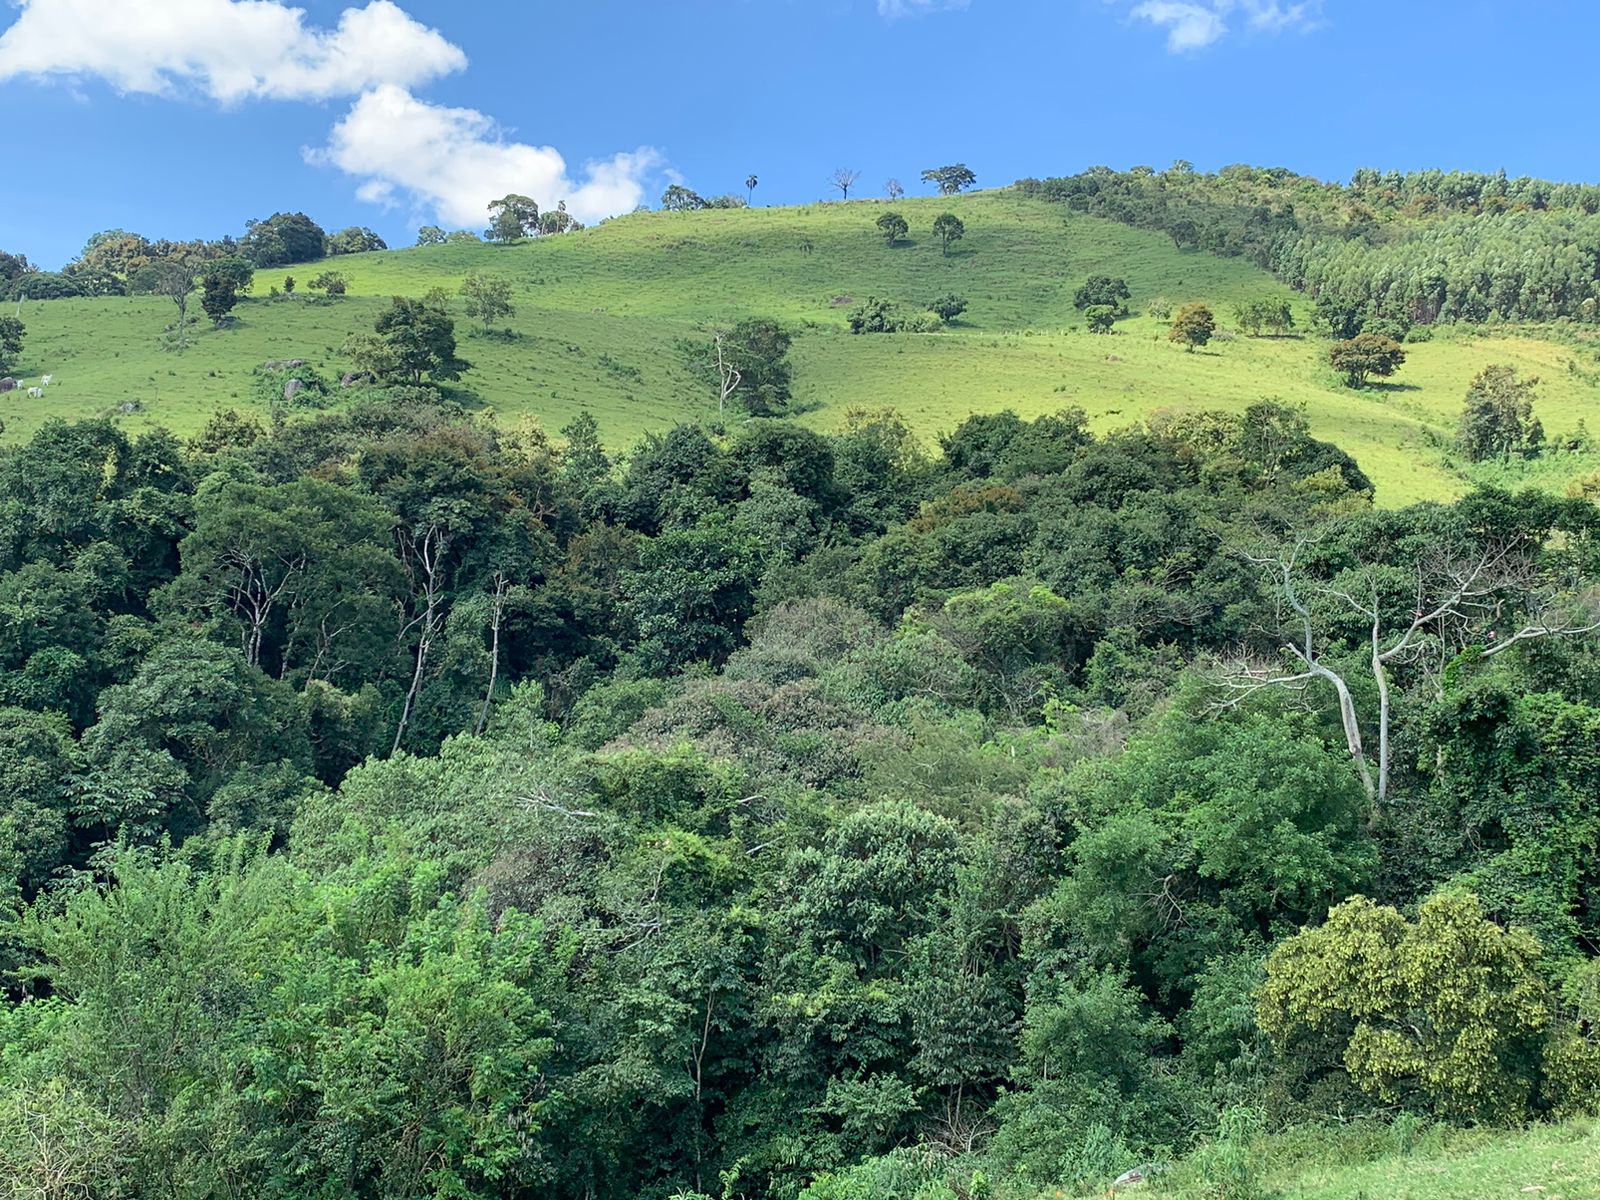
[
  {"x": 35, "y": 393},
  {"x": 45, "y": 382},
  {"x": 8, "y": 384}
]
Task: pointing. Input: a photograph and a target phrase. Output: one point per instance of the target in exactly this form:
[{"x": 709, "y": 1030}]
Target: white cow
[
  {"x": 45, "y": 382},
  {"x": 35, "y": 393}
]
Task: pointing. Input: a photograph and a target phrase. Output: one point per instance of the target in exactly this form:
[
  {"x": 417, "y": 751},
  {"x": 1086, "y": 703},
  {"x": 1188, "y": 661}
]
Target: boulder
[{"x": 291, "y": 388}]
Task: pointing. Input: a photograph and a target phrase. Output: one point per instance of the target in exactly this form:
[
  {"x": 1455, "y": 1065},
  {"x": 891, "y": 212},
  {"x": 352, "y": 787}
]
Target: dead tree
[
  {"x": 497, "y": 611},
  {"x": 422, "y": 550},
  {"x": 1463, "y": 596},
  {"x": 728, "y": 375},
  {"x": 843, "y": 179}
]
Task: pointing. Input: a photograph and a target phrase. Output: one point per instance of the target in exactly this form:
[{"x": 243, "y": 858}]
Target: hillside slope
[{"x": 599, "y": 315}]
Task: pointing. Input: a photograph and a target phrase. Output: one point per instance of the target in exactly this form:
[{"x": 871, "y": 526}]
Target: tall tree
[
  {"x": 950, "y": 180},
  {"x": 948, "y": 228},
  {"x": 750, "y": 183},
  {"x": 843, "y": 179},
  {"x": 511, "y": 218},
  {"x": 1497, "y": 418},
  {"x": 176, "y": 280}
]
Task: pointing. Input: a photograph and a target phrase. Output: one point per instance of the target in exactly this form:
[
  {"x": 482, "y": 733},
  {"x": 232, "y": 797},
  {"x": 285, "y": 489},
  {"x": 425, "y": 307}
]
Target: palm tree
[{"x": 750, "y": 182}]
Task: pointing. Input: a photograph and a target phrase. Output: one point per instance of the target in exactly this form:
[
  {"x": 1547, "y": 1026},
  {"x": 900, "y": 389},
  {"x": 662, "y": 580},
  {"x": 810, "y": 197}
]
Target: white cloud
[
  {"x": 229, "y": 50},
  {"x": 915, "y": 8},
  {"x": 1188, "y": 26},
  {"x": 455, "y": 160},
  {"x": 1196, "y": 24}
]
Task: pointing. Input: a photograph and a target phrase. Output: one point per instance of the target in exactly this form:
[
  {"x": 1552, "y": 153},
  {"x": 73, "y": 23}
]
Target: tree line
[{"x": 1382, "y": 254}]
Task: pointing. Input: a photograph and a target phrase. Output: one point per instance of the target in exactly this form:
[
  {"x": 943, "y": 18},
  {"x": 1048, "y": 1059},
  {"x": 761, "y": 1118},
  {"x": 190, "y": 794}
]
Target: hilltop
[{"x": 601, "y": 313}]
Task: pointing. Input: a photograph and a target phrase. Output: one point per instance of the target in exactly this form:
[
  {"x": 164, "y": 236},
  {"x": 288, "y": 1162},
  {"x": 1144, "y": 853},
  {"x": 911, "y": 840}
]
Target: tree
[
  {"x": 421, "y": 338},
  {"x": 12, "y": 332},
  {"x": 1193, "y": 326},
  {"x": 1450, "y": 1006},
  {"x": 431, "y": 235},
  {"x": 237, "y": 270},
  {"x": 948, "y": 228},
  {"x": 283, "y": 239},
  {"x": 175, "y": 280},
  {"x": 893, "y": 227},
  {"x": 558, "y": 220},
  {"x": 511, "y": 218},
  {"x": 1460, "y": 592},
  {"x": 1497, "y": 417},
  {"x": 747, "y": 362},
  {"x": 487, "y": 298},
  {"x": 330, "y": 284},
  {"x": 950, "y": 180},
  {"x": 288, "y": 285},
  {"x": 584, "y": 462},
  {"x": 357, "y": 239},
  {"x": 894, "y": 189},
  {"x": 678, "y": 198},
  {"x": 842, "y": 180},
  {"x": 218, "y": 297},
  {"x": 1365, "y": 355},
  {"x": 750, "y": 183},
  {"x": 1103, "y": 290},
  {"x": 949, "y": 306},
  {"x": 1100, "y": 318}
]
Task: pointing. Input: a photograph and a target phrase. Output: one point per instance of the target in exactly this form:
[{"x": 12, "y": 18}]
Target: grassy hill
[
  {"x": 1546, "y": 1162},
  {"x": 599, "y": 315}
]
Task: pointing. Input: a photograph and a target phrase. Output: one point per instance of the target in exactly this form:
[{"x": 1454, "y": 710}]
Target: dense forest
[
  {"x": 400, "y": 806},
  {"x": 1387, "y": 252}
]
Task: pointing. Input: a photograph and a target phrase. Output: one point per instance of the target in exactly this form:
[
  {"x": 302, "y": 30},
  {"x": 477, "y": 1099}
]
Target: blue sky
[{"x": 183, "y": 118}]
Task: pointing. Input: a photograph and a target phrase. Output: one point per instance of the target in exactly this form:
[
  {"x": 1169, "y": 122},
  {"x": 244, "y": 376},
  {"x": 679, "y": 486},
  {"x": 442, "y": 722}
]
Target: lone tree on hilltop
[
  {"x": 893, "y": 189},
  {"x": 1366, "y": 355},
  {"x": 844, "y": 178},
  {"x": 430, "y": 235},
  {"x": 1497, "y": 420},
  {"x": 893, "y": 227},
  {"x": 750, "y": 184},
  {"x": 948, "y": 228},
  {"x": 678, "y": 198},
  {"x": 1193, "y": 326},
  {"x": 511, "y": 218},
  {"x": 950, "y": 180}
]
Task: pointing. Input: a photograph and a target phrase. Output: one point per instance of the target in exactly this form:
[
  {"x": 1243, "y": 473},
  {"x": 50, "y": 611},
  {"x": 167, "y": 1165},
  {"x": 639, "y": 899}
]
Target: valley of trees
[
  {"x": 402, "y": 807},
  {"x": 396, "y": 804}
]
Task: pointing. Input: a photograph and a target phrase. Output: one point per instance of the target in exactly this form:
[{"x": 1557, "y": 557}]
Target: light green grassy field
[
  {"x": 599, "y": 314},
  {"x": 1560, "y": 1162}
]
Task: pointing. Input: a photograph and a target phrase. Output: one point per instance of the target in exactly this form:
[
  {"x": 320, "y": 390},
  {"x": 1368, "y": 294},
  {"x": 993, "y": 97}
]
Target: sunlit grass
[{"x": 599, "y": 315}]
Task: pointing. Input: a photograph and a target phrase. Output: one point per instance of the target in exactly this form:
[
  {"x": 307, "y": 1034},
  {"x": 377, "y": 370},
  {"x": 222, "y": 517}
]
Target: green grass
[
  {"x": 1549, "y": 1162},
  {"x": 599, "y": 314}
]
